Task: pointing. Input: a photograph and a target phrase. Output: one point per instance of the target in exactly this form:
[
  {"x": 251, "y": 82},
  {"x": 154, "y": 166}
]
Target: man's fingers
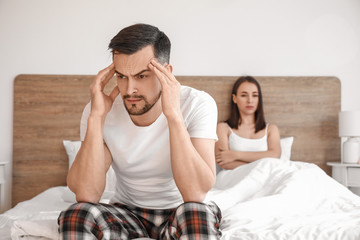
[
  {"x": 159, "y": 74},
  {"x": 108, "y": 74},
  {"x": 104, "y": 76},
  {"x": 162, "y": 69},
  {"x": 114, "y": 93}
]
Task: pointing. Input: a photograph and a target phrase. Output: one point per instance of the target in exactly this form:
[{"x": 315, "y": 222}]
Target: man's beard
[{"x": 133, "y": 110}]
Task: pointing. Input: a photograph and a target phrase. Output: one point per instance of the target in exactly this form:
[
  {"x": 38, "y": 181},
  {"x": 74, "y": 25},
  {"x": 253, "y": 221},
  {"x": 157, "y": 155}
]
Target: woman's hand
[{"x": 225, "y": 157}]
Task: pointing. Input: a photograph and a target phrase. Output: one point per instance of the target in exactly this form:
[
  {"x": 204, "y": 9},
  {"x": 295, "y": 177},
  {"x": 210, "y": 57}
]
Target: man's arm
[
  {"x": 192, "y": 159},
  {"x": 87, "y": 175},
  {"x": 192, "y": 163}
]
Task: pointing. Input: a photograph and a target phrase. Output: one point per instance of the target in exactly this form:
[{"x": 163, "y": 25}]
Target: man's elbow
[
  {"x": 193, "y": 196},
  {"x": 87, "y": 198},
  {"x": 197, "y": 194},
  {"x": 84, "y": 193},
  {"x": 91, "y": 196}
]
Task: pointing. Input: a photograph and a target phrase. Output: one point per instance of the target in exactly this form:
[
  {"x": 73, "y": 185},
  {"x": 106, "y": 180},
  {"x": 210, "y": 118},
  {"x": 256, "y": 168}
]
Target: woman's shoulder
[
  {"x": 223, "y": 127},
  {"x": 272, "y": 128}
]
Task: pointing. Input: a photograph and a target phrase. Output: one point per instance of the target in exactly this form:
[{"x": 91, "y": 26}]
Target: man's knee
[
  {"x": 199, "y": 219},
  {"x": 192, "y": 208},
  {"x": 78, "y": 212}
]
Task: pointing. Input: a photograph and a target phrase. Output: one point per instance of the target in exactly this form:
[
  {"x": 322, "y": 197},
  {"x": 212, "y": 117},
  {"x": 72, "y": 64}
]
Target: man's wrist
[
  {"x": 96, "y": 119},
  {"x": 175, "y": 118}
]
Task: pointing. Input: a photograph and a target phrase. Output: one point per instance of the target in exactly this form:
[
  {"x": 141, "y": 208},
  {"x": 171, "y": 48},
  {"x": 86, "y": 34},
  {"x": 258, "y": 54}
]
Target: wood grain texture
[{"x": 47, "y": 110}]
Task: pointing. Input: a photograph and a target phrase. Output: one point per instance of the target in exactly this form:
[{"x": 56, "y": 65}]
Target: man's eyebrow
[
  {"x": 118, "y": 73},
  {"x": 139, "y": 73}
]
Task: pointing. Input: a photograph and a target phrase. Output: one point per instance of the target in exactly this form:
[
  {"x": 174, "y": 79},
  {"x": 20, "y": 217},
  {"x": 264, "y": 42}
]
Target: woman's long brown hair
[{"x": 235, "y": 120}]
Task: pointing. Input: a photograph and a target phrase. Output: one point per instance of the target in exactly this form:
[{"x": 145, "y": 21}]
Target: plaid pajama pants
[{"x": 191, "y": 220}]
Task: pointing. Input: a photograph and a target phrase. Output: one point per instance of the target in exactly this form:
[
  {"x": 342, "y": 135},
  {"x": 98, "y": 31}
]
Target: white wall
[{"x": 209, "y": 37}]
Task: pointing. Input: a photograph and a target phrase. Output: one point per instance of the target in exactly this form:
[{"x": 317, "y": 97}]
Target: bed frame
[{"x": 47, "y": 110}]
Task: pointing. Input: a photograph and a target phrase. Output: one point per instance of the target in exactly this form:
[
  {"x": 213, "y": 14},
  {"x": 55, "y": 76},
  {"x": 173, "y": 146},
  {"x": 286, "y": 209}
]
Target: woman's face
[{"x": 247, "y": 98}]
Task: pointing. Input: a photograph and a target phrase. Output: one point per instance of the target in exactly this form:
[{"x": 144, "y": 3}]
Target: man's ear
[{"x": 169, "y": 67}]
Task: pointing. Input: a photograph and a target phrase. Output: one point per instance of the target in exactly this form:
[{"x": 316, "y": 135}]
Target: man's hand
[
  {"x": 170, "y": 93},
  {"x": 100, "y": 102},
  {"x": 87, "y": 175}
]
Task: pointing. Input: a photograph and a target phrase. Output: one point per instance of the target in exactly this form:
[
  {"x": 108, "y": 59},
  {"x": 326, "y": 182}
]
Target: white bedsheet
[
  {"x": 267, "y": 199},
  {"x": 35, "y": 217}
]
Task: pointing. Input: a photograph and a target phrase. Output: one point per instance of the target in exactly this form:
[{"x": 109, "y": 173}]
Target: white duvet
[
  {"x": 277, "y": 199},
  {"x": 267, "y": 199}
]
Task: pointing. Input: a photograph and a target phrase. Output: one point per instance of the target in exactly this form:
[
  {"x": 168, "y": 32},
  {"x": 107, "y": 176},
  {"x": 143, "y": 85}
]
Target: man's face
[{"x": 138, "y": 85}]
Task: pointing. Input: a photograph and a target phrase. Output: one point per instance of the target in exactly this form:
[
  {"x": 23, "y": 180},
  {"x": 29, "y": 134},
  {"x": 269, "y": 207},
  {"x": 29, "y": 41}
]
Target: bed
[{"x": 288, "y": 198}]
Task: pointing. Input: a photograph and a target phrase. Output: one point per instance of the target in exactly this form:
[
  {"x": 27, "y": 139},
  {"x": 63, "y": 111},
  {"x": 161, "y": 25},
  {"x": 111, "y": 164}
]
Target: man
[{"x": 159, "y": 138}]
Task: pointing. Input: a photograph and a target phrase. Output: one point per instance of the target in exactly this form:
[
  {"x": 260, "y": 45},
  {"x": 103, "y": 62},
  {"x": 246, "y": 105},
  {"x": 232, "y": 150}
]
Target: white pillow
[
  {"x": 286, "y": 144},
  {"x": 72, "y": 147}
]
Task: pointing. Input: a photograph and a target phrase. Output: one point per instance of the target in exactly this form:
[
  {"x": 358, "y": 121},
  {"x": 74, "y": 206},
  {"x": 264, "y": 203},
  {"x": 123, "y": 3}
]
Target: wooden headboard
[{"x": 47, "y": 110}]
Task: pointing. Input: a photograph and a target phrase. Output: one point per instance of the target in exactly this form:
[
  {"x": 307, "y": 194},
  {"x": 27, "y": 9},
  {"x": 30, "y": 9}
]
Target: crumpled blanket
[
  {"x": 34, "y": 229},
  {"x": 280, "y": 199}
]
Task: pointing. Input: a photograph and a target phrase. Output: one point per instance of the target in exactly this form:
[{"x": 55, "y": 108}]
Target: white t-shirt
[{"x": 141, "y": 155}]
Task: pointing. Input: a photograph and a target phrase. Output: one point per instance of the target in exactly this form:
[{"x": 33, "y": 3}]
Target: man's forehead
[{"x": 131, "y": 64}]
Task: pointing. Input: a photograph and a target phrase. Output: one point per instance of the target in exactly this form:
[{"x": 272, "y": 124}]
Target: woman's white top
[{"x": 237, "y": 143}]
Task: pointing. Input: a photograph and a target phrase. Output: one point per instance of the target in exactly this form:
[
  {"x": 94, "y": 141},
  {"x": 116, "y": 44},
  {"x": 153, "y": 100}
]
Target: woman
[{"x": 245, "y": 136}]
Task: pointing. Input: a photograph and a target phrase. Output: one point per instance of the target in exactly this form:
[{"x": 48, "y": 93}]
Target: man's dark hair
[
  {"x": 135, "y": 37},
  {"x": 234, "y": 120}
]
